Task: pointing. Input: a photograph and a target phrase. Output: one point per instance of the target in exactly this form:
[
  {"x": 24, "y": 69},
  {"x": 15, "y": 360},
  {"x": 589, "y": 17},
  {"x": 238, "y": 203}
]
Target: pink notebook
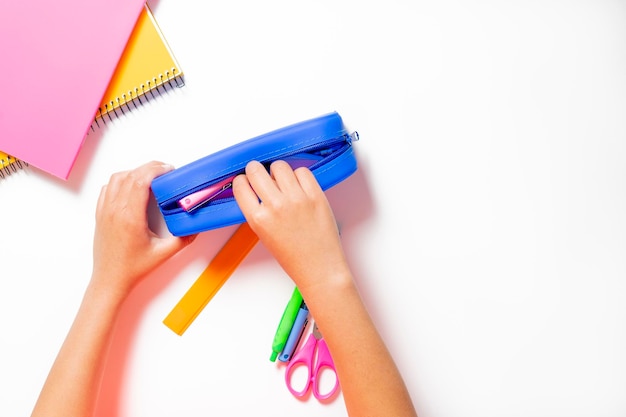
[{"x": 57, "y": 60}]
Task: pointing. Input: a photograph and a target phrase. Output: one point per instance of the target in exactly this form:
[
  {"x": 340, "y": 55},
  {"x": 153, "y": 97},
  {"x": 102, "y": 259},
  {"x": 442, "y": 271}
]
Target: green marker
[{"x": 286, "y": 323}]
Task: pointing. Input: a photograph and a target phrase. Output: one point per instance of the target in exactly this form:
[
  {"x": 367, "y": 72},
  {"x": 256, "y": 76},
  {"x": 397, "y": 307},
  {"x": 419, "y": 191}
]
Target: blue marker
[{"x": 295, "y": 334}]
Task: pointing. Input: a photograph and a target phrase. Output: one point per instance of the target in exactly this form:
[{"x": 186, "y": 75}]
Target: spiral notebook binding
[
  {"x": 145, "y": 92},
  {"x": 10, "y": 165}
]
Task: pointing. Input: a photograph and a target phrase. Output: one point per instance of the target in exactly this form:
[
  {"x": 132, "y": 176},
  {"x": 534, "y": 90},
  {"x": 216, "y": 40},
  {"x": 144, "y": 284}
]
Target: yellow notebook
[
  {"x": 9, "y": 164},
  {"x": 147, "y": 68}
]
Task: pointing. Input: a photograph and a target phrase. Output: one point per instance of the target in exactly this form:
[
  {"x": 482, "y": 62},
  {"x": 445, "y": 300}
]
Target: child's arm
[
  {"x": 292, "y": 217},
  {"x": 125, "y": 251}
]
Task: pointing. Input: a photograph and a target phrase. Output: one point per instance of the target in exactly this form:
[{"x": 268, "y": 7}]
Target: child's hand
[
  {"x": 125, "y": 249},
  {"x": 290, "y": 214}
]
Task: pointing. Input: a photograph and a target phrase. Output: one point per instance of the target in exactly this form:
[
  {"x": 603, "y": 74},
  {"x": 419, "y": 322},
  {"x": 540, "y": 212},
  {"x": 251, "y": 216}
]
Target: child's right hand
[{"x": 290, "y": 214}]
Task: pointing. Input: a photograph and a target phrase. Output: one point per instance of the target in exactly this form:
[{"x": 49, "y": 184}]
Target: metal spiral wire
[
  {"x": 10, "y": 165},
  {"x": 141, "y": 94}
]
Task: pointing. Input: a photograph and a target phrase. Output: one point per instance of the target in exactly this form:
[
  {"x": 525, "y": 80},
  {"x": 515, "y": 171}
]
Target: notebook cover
[
  {"x": 147, "y": 63},
  {"x": 58, "y": 58}
]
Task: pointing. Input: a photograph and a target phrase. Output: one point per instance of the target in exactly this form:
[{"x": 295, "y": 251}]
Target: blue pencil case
[{"x": 198, "y": 197}]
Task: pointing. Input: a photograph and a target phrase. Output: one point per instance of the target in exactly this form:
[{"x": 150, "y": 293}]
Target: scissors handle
[
  {"x": 324, "y": 363},
  {"x": 304, "y": 357}
]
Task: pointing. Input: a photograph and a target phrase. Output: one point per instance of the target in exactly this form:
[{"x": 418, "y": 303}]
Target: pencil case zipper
[{"x": 328, "y": 149}]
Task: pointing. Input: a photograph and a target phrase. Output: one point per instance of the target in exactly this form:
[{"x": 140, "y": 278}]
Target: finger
[
  {"x": 145, "y": 173},
  {"x": 135, "y": 188},
  {"x": 101, "y": 198},
  {"x": 166, "y": 247},
  {"x": 284, "y": 177},
  {"x": 307, "y": 181},
  {"x": 153, "y": 169},
  {"x": 261, "y": 182},
  {"x": 109, "y": 192},
  {"x": 244, "y": 194}
]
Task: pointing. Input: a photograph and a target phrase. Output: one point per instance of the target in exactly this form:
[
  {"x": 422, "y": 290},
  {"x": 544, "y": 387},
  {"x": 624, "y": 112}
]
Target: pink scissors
[{"x": 314, "y": 367}]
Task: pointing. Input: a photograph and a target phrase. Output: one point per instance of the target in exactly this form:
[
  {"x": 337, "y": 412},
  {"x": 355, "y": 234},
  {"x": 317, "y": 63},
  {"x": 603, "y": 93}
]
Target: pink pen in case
[
  {"x": 199, "y": 198},
  {"x": 223, "y": 188}
]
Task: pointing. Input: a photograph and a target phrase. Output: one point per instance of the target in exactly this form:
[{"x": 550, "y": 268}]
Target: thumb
[{"x": 169, "y": 246}]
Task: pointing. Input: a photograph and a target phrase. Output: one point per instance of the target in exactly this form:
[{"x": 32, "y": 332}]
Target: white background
[{"x": 486, "y": 223}]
